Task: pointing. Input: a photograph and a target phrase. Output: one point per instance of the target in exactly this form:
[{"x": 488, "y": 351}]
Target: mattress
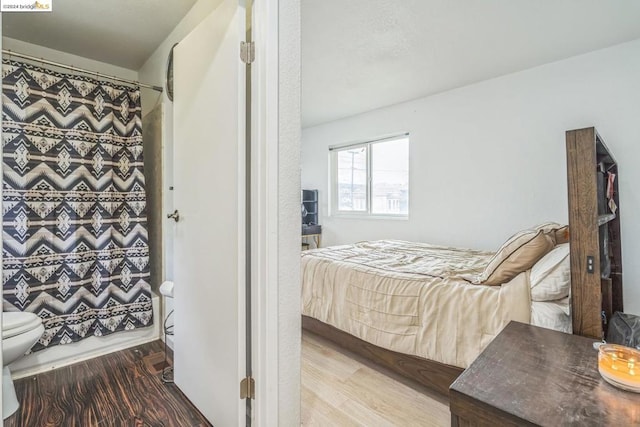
[{"x": 411, "y": 297}]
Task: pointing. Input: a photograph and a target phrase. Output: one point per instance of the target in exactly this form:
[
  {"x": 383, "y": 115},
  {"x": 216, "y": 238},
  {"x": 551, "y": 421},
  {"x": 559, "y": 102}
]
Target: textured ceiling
[
  {"x": 118, "y": 32},
  {"x": 359, "y": 55}
]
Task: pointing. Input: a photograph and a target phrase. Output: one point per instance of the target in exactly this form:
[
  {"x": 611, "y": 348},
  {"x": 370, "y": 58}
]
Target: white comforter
[{"x": 411, "y": 297}]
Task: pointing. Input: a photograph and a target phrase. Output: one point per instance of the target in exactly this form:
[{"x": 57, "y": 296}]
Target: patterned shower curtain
[{"x": 74, "y": 228}]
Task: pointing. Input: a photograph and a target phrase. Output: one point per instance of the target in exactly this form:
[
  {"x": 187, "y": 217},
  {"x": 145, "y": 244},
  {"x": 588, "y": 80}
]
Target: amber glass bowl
[{"x": 620, "y": 366}]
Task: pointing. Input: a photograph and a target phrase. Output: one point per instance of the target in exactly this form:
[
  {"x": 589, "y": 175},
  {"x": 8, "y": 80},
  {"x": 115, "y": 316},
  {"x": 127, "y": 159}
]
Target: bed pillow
[
  {"x": 559, "y": 232},
  {"x": 551, "y": 276},
  {"x": 516, "y": 255}
]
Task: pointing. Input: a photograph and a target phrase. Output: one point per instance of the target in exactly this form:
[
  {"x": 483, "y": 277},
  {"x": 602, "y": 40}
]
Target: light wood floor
[{"x": 342, "y": 389}]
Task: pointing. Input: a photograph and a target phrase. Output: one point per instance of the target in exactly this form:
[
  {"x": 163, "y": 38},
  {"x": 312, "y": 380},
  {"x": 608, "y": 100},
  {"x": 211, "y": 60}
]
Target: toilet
[{"x": 20, "y": 331}]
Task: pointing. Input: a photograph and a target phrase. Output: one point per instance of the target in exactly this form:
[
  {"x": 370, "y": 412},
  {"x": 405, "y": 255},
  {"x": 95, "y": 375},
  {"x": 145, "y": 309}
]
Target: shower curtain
[{"x": 74, "y": 232}]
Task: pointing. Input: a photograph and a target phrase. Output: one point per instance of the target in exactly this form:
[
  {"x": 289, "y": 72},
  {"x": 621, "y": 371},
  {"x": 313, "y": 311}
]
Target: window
[{"x": 371, "y": 178}]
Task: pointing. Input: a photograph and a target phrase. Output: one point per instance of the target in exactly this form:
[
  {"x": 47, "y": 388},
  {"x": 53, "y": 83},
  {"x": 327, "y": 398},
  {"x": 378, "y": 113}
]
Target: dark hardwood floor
[{"x": 119, "y": 389}]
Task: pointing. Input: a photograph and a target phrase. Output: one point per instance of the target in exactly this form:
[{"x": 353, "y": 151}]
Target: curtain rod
[{"x": 81, "y": 70}]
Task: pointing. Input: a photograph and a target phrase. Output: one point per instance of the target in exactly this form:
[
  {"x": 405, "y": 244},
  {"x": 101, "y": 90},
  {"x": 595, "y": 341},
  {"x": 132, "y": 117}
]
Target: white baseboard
[
  {"x": 169, "y": 340},
  {"x": 68, "y": 354}
]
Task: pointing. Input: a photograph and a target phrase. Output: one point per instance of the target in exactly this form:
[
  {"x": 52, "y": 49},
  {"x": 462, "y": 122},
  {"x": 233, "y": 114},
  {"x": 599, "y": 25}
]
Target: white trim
[
  {"x": 379, "y": 138},
  {"x": 364, "y": 216},
  {"x": 265, "y": 74},
  {"x": 242, "y": 217}
]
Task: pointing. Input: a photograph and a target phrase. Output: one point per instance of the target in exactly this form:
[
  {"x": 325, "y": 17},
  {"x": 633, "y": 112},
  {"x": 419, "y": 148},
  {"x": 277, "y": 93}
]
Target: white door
[{"x": 209, "y": 191}]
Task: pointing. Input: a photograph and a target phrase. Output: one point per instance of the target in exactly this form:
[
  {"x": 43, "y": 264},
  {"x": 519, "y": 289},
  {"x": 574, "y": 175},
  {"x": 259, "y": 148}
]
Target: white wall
[
  {"x": 489, "y": 159},
  {"x": 67, "y": 58},
  {"x": 289, "y": 323},
  {"x": 153, "y": 72}
]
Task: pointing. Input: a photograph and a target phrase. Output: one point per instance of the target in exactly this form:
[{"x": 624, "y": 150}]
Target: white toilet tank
[{"x": 20, "y": 331}]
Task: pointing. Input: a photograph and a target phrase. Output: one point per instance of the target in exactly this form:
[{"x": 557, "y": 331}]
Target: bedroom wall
[{"x": 489, "y": 159}]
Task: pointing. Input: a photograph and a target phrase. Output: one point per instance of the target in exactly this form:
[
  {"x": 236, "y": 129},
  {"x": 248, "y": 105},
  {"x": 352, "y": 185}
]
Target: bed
[
  {"x": 428, "y": 311},
  {"x": 425, "y": 311}
]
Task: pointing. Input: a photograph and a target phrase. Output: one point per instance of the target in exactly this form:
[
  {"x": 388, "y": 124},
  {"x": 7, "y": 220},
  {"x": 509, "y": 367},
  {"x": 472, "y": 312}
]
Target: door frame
[
  {"x": 276, "y": 321},
  {"x": 264, "y": 326}
]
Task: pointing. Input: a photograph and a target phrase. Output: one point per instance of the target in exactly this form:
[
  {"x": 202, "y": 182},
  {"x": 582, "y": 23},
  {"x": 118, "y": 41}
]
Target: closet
[{"x": 594, "y": 218}]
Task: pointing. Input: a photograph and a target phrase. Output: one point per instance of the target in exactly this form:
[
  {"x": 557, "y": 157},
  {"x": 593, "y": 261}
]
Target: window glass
[
  {"x": 352, "y": 179},
  {"x": 390, "y": 177}
]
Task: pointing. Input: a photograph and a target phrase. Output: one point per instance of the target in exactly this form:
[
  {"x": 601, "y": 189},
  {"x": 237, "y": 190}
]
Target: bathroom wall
[
  {"x": 67, "y": 58},
  {"x": 152, "y": 146}
]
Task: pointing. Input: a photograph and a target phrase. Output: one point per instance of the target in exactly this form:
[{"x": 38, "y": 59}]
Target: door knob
[{"x": 175, "y": 215}]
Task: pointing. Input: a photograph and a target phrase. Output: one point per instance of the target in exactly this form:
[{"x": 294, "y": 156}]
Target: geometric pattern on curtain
[{"x": 74, "y": 232}]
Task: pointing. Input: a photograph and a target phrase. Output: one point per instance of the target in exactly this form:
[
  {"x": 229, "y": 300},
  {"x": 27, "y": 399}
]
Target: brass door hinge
[
  {"x": 247, "y": 52},
  {"x": 247, "y": 388}
]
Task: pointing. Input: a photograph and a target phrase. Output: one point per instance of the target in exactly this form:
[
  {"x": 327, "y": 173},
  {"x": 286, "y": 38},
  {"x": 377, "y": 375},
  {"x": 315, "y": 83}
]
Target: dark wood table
[{"x": 535, "y": 376}]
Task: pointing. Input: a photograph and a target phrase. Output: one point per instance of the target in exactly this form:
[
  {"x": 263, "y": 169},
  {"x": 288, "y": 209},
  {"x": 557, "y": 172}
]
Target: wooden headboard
[{"x": 594, "y": 230}]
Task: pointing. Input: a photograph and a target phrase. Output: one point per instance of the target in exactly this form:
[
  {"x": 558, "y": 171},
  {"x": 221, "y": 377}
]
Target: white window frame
[{"x": 333, "y": 179}]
